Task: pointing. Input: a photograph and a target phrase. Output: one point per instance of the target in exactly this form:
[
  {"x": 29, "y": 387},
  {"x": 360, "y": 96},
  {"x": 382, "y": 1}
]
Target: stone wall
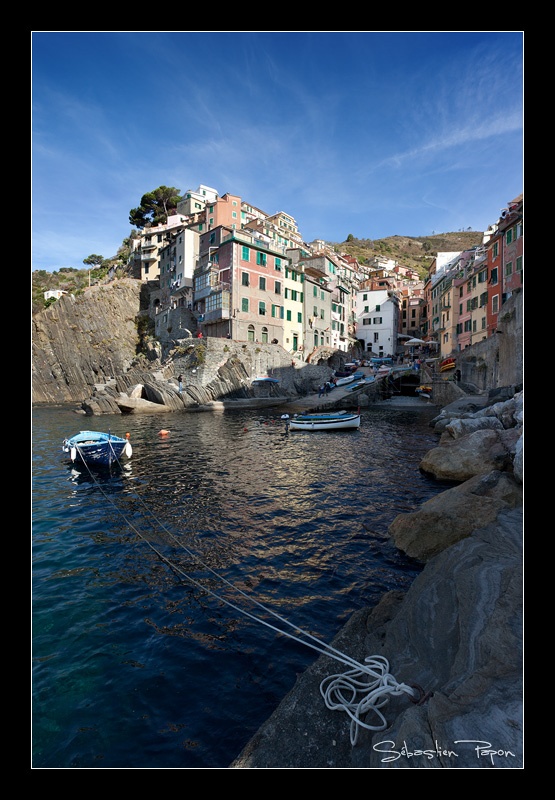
[{"x": 499, "y": 360}]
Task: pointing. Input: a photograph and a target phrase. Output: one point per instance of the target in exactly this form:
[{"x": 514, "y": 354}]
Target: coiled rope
[{"x": 361, "y": 689}]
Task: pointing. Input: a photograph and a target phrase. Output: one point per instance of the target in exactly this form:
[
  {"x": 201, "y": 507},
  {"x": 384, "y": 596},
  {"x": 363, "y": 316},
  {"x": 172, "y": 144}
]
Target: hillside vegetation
[{"x": 415, "y": 252}]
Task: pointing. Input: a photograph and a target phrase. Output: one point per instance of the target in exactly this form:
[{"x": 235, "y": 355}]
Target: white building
[
  {"x": 377, "y": 315},
  {"x": 57, "y": 293}
]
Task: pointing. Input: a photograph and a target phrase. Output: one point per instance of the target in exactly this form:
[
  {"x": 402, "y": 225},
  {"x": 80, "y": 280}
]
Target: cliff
[{"x": 85, "y": 340}]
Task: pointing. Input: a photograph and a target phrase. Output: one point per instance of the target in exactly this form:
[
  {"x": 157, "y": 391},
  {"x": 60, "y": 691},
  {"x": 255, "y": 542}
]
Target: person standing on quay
[{"x": 180, "y": 382}]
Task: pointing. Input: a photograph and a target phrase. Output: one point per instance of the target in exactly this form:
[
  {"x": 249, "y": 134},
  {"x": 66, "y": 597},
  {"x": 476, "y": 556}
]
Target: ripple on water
[{"x": 137, "y": 660}]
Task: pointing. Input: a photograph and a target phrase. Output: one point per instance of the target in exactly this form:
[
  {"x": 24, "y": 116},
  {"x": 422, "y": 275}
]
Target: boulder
[
  {"x": 452, "y": 515},
  {"x": 137, "y": 405},
  {"x": 476, "y": 453}
]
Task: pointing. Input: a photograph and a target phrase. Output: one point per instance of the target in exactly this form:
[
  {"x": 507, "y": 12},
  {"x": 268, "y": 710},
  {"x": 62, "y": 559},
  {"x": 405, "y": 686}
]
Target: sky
[{"x": 369, "y": 133}]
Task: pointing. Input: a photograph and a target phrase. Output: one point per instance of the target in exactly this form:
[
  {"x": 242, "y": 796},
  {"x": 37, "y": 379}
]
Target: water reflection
[{"x": 130, "y": 572}]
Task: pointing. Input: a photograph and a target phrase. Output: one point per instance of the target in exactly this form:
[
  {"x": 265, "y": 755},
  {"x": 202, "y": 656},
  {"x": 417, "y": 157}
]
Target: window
[
  {"x": 315, "y": 291},
  {"x": 495, "y": 304},
  {"x": 483, "y": 323},
  {"x": 493, "y": 280},
  {"x": 519, "y": 264},
  {"x": 508, "y": 268},
  {"x": 277, "y": 287},
  {"x": 288, "y": 316},
  {"x": 367, "y": 321},
  {"x": 262, "y": 283},
  {"x": 245, "y": 304},
  {"x": 277, "y": 312},
  {"x": 245, "y": 254},
  {"x": 261, "y": 259},
  {"x": 299, "y": 316},
  {"x": 234, "y": 215},
  {"x": 277, "y": 263},
  {"x": 250, "y": 333},
  {"x": 314, "y": 311},
  {"x": 244, "y": 279},
  {"x": 265, "y": 335},
  {"x": 377, "y": 320},
  {"x": 262, "y": 307},
  {"x": 495, "y": 249},
  {"x": 378, "y": 308},
  {"x": 509, "y": 236},
  {"x": 321, "y": 313}
]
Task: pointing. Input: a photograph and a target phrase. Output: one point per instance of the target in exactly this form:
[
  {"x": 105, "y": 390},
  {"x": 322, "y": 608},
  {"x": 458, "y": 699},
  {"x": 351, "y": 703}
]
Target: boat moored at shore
[
  {"x": 96, "y": 449},
  {"x": 340, "y": 420}
]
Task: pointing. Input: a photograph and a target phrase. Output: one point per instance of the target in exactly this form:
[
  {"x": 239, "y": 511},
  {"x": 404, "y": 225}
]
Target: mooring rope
[{"x": 361, "y": 689}]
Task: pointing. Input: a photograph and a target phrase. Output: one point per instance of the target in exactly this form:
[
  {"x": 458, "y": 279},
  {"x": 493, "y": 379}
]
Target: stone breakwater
[{"x": 456, "y": 633}]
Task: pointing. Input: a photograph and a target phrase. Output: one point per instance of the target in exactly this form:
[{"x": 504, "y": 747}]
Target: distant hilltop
[{"x": 416, "y": 252}]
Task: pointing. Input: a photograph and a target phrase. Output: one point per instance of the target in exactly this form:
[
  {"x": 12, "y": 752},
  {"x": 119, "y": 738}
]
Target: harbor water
[{"x": 154, "y": 645}]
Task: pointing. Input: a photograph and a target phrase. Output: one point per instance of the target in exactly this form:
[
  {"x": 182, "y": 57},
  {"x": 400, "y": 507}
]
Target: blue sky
[{"x": 371, "y": 133}]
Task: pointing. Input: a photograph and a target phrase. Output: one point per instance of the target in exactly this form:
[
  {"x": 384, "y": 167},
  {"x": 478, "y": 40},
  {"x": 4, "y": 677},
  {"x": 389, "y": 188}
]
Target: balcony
[{"x": 216, "y": 315}]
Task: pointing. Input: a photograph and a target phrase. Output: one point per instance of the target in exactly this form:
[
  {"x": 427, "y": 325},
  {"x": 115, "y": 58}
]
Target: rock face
[
  {"x": 82, "y": 341},
  {"x": 453, "y": 640},
  {"x": 457, "y": 634}
]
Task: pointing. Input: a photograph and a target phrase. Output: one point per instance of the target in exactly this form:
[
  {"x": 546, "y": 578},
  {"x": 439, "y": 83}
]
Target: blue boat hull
[{"x": 96, "y": 449}]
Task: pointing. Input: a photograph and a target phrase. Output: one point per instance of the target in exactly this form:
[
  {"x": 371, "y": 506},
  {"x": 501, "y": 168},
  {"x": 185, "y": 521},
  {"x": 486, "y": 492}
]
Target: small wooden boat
[
  {"x": 96, "y": 449},
  {"x": 340, "y": 420}
]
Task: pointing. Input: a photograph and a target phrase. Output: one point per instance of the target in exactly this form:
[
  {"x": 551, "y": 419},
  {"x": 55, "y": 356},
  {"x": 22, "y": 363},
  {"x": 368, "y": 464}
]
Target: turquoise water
[{"x": 137, "y": 660}]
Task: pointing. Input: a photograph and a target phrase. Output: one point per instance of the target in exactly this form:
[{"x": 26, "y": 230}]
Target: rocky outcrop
[
  {"x": 85, "y": 340},
  {"x": 453, "y": 641}
]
